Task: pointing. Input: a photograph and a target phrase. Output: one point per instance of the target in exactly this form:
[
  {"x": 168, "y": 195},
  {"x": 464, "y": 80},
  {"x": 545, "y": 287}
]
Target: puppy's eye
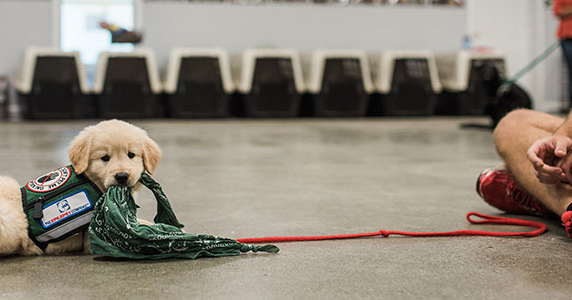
[
  {"x": 105, "y": 158},
  {"x": 130, "y": 154}
]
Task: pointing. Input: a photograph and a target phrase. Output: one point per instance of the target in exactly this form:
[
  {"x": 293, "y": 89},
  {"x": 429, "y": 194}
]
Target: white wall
[
  {"x": 235, "y": 27},
  {"x": 520, "y": 29},
  {"x": 304, "y": 27},
  {"x": 23, "y": 24},
  {"x": 552, "y": 73}
]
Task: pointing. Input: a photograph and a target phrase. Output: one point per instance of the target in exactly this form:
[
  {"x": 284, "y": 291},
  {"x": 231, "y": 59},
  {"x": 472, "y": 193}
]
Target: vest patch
[
  {"x": 66, "y": 208},
  {"x": 50, "y": 181},
  {"x": 58, "y": 205}
]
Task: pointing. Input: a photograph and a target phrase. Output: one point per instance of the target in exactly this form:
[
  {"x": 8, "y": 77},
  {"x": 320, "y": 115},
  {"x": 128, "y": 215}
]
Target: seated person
[{"x": 537, "y": 150}]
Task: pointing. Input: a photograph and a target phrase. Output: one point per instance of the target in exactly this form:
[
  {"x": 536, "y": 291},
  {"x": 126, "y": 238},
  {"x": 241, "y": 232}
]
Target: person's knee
[
  {"x": 513, "y": 120},
  {"x": 518, "y": 116},
  {"x": 508, "y": 126}
]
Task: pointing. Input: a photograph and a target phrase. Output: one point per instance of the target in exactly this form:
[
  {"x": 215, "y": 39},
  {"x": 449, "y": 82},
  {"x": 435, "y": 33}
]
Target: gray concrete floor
[{"x": 250, "y": 178}]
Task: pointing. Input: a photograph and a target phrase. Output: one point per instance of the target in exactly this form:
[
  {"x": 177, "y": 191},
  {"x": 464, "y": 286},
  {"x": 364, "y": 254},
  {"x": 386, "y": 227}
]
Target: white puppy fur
[{"x": 110, "y": 153}]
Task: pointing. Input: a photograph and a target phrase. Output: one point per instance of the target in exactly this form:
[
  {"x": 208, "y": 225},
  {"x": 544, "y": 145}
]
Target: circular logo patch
[
  {"x": 63, "y": 205},
  {"x": 50, "y": 181}
]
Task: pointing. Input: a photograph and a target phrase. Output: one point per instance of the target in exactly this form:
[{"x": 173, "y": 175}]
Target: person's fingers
[
  {"x": 561, "y": 162},
  {"x": 533, "y": 155},
  {"x": 561, "y": 145},
  {"x": 549, "y": 174},
  {"x": 553, "y": 171},
  {"x": 548, "y": 178},
  {"x": 566, "y": 165},
  {"x": 552, "y": 159}
]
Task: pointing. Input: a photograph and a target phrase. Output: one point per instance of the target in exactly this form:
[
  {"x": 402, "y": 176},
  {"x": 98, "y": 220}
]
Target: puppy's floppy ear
[
  {"x": 151, "y": 154},
  {"x": 79, "y": 151}
]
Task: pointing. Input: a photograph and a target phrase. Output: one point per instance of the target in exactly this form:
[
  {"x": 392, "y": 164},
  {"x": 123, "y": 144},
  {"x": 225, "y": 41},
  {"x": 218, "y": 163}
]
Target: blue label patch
[{"x": 65, "y": 208}]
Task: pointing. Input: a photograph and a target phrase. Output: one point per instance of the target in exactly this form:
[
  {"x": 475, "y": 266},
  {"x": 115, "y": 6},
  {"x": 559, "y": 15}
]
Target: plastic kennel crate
[
  {"x": 52, "y": 85},
  {"x": 4, "y": 92},
  {"x": 198, "y": 83},
  {"x": 469, "y": 80},
  {"x": 407, "y": 83},
  {"x": 127, "y": 85},
  {"x": 339, "y": 83},
  {"x": 270, "y": 82}
]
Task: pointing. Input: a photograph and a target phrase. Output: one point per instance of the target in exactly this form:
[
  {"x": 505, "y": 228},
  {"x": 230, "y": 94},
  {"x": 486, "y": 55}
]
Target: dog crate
[
  {"x": 52, "y": 85},
  {"x": 339, "y": 83},
  {"x": 470, "y": 81},
  {"x": 407, "y": 83},
  {"x": 4, "y": 92},
  {"x": 127, "y": 85},
  {"x": 270, "y": 82},
  {"x": 198, "y": 83}
]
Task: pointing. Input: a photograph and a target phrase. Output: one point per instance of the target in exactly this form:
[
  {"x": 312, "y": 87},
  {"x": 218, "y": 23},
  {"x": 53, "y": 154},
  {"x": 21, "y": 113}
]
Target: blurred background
[{"x": 510, "y": 32}]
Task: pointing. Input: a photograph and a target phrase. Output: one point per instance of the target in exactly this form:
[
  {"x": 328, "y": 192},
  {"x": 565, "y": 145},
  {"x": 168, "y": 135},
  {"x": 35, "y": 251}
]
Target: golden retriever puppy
[{"x": 110, "y": 153}]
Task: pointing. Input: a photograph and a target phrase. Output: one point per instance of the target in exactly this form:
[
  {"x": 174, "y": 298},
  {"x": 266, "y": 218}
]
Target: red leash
[{"x": 541, "y": 228}]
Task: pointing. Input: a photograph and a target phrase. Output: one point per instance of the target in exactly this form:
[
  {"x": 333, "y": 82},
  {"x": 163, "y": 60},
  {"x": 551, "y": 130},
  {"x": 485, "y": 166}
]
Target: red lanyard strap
[{"x": 540, "y": 229}]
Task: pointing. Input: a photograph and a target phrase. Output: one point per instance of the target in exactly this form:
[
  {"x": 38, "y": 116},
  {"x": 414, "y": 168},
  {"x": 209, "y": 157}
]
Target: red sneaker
[
  {"x": 498, "y": 189},
  {"x": 567, "y": 222}
]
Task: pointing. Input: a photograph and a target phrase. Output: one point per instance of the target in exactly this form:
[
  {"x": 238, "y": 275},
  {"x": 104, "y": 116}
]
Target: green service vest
[{"x": 58, "y": 205}]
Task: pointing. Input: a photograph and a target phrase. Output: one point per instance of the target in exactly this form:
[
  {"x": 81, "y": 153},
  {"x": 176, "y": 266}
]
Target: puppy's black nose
[{"x": 121, "y": 177}]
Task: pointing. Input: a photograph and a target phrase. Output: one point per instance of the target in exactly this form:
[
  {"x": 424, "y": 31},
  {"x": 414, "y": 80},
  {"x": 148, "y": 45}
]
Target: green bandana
[{"x": 114, "y": 230}]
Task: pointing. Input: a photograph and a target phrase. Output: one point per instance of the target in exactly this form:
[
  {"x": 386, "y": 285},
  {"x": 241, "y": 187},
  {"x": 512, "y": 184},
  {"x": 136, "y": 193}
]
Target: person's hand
[
  {"x": 565, "y": 163},
  {"x": 550, "y": 159}
]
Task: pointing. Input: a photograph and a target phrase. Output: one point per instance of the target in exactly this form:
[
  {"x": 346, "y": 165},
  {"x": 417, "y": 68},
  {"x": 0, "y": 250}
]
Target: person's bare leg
[{"x": 514, "y": 134}]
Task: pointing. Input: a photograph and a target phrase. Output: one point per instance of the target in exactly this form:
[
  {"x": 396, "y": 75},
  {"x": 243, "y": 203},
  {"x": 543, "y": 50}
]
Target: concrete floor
[{"x": 249, "y": 178}]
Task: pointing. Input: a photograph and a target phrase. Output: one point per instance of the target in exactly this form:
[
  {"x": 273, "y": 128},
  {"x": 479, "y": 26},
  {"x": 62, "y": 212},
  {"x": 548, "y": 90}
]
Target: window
[{"x": 80, "y": 31}]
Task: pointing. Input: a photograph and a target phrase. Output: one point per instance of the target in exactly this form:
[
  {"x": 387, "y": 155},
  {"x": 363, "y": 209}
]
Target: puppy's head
[{"x": 113, "y": 153}]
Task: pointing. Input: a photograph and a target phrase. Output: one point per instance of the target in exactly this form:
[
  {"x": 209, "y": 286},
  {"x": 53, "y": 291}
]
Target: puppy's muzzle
[{"x": 121, "y": 178}]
